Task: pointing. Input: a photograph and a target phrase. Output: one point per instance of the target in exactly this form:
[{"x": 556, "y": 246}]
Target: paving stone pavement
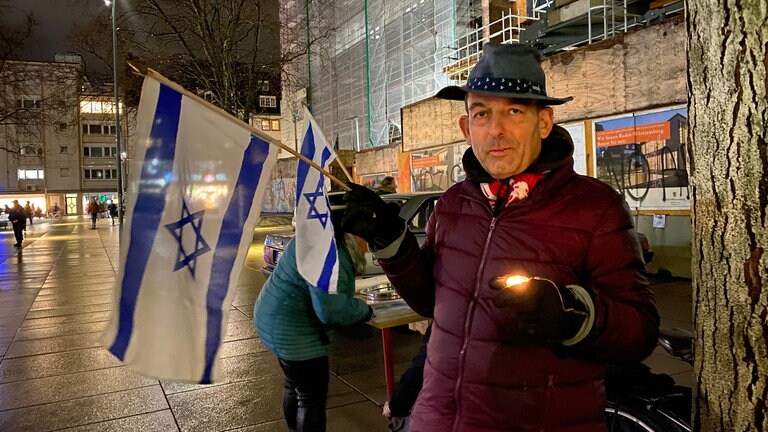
[{"x": 56, "y": 297}]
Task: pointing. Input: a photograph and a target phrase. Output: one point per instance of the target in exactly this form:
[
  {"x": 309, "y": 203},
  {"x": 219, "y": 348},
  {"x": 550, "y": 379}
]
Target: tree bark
[{"x": 728, "y": 57}]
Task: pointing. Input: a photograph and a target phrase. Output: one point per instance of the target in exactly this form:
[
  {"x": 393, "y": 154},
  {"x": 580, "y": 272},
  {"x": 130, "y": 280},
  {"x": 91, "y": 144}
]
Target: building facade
[
  {"x": 39, "y": 131},
  {"x": 57, "y": 138}
]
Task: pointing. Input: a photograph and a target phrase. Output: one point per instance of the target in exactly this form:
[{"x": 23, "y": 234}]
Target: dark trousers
[
  {"x": 305, "y": 392},
  {"x": 18, "y": 231}
]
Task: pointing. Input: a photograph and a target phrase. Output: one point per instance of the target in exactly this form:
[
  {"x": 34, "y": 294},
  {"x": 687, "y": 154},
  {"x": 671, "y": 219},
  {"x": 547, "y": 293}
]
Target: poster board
[{"x": 644, "y": 156}]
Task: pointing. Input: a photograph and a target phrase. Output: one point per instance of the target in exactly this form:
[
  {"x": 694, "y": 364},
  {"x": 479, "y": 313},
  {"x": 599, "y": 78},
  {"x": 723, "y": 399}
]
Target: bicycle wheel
[
  {"x": 636, "y": 416},
  {"x": 637, "y": 176}
]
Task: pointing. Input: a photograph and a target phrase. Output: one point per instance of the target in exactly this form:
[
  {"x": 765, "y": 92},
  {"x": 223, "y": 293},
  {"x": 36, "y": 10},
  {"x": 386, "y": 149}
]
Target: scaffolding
[{"x": 380, "y": 56}]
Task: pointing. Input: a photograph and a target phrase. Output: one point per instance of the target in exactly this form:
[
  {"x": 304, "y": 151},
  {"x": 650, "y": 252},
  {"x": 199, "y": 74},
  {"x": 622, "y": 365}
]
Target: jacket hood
[{"x": 556, "y": 151}]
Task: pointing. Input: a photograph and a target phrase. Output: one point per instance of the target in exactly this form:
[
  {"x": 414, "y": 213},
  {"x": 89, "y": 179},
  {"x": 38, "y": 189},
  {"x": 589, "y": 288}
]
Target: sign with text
[{"x": 633, "y": 134}]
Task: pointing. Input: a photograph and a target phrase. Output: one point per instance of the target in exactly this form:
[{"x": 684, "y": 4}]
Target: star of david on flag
[
  {"x": 317, "y": 258},
  {"x": 177, "y": 230},
  {"x": 312, "y": 197},
  {"x": 194, "y": 195}
]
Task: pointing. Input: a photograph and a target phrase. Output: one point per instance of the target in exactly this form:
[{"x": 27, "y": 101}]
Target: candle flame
[{"x": 516, "y": 280}]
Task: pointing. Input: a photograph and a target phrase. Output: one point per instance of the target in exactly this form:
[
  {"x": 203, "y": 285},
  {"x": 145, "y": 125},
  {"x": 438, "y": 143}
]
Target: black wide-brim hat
[{"x": 508, "y": 70}]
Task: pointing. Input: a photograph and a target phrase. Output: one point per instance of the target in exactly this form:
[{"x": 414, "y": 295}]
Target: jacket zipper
[{"x": 467, "y": 325}]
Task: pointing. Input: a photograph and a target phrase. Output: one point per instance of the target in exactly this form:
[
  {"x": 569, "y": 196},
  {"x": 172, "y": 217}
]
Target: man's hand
[
  {"x": 369, "y": 217},
  {"x": 385, "y": 412},
  {"x": 546, "y": 311}
]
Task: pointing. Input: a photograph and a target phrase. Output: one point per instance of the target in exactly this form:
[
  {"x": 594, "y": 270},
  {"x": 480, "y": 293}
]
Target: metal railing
[{"x": 469, "y": 47}]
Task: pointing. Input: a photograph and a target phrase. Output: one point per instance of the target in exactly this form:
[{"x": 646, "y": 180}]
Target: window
[
  {"x": 99, "y": 129},
  {"x": 30, "y": 174},
  {"x": 30, "y": 103},
  {"x": 86, "y": 151},
  {"x": 265, "y": 125},
  {"x": 62, "y": 126},
  {"x": 268, "y": 101},
  {"x": 63, "y": 149},
  {"x": 100, "y": 174},
  {"x": 275, "y": 125},
  {"x": 264, "y": 86},
  {"x": 96, "y": 152},
  {"x": 31, "y": 150},
  {"x": 64, "y": 172}
]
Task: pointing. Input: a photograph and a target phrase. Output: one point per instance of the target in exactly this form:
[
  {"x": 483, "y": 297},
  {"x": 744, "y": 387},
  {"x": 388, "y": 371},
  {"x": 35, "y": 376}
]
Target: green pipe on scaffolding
[
  {"x": 368, "y": 75},
  {"x": 453, "y": 20}
]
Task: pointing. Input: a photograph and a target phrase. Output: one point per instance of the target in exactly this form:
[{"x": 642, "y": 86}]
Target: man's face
[{"x": 505, "y": 133}]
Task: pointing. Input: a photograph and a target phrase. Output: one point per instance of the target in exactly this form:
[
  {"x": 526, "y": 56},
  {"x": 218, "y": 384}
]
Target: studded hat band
[{"x": 511, "y": 85}]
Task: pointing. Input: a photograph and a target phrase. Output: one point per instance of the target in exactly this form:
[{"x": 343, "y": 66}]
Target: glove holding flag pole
[{"x": 369, "y": 217}]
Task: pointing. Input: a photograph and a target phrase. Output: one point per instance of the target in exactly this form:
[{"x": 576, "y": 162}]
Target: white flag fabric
[
  {"x": 194, "y": 197},
  {"x": 316, "y": 255}
]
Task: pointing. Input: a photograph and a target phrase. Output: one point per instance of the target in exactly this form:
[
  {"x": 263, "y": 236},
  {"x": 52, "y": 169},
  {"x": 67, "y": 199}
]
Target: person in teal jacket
[{"x": 292, "y": 317}]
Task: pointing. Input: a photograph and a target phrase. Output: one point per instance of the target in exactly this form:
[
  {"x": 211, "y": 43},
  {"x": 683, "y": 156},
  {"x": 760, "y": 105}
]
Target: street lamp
[{"x": 118, "y": 156}]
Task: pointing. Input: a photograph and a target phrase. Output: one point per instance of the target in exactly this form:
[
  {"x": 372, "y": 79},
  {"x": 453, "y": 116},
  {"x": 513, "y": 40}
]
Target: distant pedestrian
[
  {"x": 39, "y": 212},
  {"x": 93, "y": 210},
  {"x": 387, "y": 186},
  {"x": 18, "y": 219},
  {"x": 28, "y": 214},
  {"x": 112, "y": 207}
]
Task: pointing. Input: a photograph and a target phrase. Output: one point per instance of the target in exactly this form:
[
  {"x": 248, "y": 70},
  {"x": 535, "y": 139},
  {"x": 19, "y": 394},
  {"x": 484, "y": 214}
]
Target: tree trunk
[{"x": 728, "y": 57}]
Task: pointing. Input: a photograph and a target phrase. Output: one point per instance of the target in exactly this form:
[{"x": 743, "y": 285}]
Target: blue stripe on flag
[
  {"x": 228, "y": 244},
  {"x": 150, "y": 202},
  {"x": 308, "y": 150},
  {"x": 324, "y": 282}
]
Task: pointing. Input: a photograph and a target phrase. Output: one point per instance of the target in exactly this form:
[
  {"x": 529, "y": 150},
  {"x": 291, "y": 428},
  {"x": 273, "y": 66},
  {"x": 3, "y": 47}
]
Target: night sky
[{"x": 55, "y": 20}]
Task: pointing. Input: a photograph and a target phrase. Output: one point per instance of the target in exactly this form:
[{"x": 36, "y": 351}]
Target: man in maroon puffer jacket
[{"x": 523, "y": 354}]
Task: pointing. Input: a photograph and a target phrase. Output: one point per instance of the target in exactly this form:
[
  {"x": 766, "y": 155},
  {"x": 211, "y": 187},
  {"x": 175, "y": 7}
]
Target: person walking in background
[
  {"x": 39, "y": 212},
  {"x": 29, "y": 214},
  {"x": 18, "y": 218},
  {"x": 531, "y": 272},
  {"x": 93, "y": 210},
  {"x": 292, "y": 318},
  {"x": 387, "y": 186},
  {"x": 112, "y": 209}
]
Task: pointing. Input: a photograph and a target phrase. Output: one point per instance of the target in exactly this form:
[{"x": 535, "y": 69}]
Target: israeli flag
[
  {"x": 194, "y": 197},
  {"x": 316, "y": 255}
]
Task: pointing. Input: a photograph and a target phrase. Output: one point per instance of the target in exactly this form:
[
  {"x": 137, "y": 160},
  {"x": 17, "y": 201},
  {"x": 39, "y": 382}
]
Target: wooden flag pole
[{"x": 165, "y": 81}]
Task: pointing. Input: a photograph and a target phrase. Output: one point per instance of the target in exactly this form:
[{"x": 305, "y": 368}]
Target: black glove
[
  {"x": 546, "y": 311},
  {"x": 369, "y": 217}
]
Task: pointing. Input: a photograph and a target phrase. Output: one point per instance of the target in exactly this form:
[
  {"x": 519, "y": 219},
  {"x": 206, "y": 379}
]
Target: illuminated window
[
  {"x": 98, "y": 107},
  {"x": 30, "y": 174},
  {"x": 275, "y": 125},
  {"x": 268, "y": 101},
  {"x": 265, "y": 125},
  {"x": 264, "y": 86}
]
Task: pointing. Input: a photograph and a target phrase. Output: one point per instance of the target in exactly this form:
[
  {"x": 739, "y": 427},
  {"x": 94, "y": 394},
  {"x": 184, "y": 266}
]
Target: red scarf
[{"x": 513, "y": 189}]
